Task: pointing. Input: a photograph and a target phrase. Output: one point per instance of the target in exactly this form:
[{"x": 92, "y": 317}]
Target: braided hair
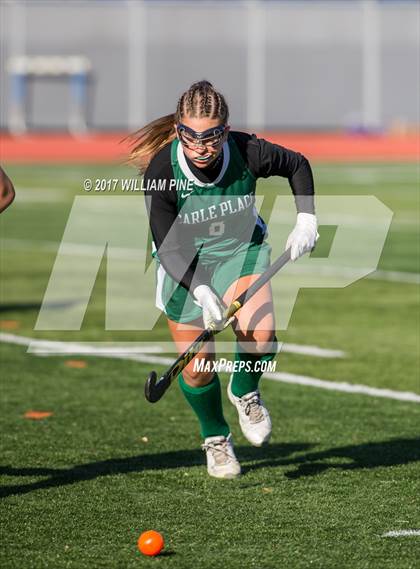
[{"x": 200, "y": 100}]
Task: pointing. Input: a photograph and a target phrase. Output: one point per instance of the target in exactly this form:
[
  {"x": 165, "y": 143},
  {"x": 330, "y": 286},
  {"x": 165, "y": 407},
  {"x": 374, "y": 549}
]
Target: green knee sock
[
  {"x": 206, "y": 402},
  {"x": 246, "y": 380}
]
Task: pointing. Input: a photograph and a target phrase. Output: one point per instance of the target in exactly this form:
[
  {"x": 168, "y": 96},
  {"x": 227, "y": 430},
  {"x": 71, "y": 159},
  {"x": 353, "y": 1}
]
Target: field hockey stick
[{"x": 154, "y": 388}]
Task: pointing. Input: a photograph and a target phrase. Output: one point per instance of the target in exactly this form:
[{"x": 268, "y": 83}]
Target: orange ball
[{"x": 150, "y": 543}]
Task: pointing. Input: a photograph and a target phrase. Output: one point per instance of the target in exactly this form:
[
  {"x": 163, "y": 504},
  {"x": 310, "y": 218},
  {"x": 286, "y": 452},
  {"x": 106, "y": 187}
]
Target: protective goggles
[{"x": 191, "y": 138}]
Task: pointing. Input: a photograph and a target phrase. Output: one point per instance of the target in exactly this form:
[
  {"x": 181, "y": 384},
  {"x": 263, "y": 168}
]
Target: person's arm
[
  {"x": 7, "y": 191},
  {"x": 266, "y": 159},
  {"x": 163, "y": 214}
]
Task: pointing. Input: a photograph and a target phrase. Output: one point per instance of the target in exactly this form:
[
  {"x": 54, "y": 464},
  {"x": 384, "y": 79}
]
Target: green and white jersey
[
  {"x": 216, "y": 218},
  {"x": 210, "y": 212}
]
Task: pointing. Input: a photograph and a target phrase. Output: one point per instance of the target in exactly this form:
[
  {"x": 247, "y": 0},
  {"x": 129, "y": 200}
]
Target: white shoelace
[
  {"x": 219, "y": 450},
  {"x": 253, "y": 408}
]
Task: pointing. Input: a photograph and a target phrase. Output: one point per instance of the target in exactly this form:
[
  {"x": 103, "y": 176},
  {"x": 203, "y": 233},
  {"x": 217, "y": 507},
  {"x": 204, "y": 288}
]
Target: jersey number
[{"x": 216, "y": 228}]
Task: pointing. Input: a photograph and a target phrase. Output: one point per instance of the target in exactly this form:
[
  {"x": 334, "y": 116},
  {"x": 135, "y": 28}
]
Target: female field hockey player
[{"x": 210, "y": 245}]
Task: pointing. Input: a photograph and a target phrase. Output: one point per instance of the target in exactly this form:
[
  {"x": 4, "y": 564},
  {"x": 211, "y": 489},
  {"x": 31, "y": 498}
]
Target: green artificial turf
[{"x": 342, "y": 469}]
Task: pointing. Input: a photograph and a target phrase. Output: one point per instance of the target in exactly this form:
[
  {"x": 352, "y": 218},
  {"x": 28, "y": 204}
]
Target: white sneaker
[
  {"x": 221, "y": 459},
  {"x": 254, "y": 418}
]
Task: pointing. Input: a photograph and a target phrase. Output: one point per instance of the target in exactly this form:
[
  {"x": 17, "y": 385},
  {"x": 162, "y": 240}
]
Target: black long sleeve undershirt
[{"x": 263, "y": 159}]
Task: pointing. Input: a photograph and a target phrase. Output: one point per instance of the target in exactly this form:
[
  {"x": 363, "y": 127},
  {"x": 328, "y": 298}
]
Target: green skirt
[{"x": 178, "y": 304}]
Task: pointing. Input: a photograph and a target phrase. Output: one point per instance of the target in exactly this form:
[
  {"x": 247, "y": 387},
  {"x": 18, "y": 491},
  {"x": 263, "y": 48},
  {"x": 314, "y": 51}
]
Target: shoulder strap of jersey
[
  {"x": 174, "y": 149},
  {"x": 236, "y": 156}
]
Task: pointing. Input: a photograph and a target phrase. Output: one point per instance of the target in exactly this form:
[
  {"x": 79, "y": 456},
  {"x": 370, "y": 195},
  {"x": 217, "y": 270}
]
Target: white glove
[
  {"x": 213, "y": 308},
  {"x": 304, "y": 236}
]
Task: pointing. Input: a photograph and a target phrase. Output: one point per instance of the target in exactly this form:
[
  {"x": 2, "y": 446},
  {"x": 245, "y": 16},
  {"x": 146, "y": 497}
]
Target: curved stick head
[
  {"x": 153, "y": 389},
  {"x": 149, "y": 386}
]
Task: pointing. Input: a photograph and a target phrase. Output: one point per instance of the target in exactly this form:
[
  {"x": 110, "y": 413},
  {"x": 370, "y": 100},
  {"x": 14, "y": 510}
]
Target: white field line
[
  {"x": 91, "y": 250},
  {"x": 331, "y": 271},
  {"x": 343, "y": 386},
  {"x": 402, "y": 533},
  {"x": 311, "y": 351},
  {"x": 277, "y": 376},
  {"x": 38, "y": 195},
  {"x": 53, "y": 347},
  {"x": 68, "y": 248},
  {"x": 396, "y": 277},
  {"x": 110, "y": 349}
]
